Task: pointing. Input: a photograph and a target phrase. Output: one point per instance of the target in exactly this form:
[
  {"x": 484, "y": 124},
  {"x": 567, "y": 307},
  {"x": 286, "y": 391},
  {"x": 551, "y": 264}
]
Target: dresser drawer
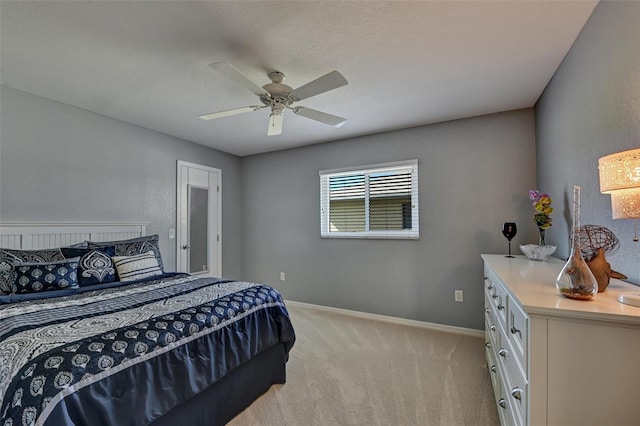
[
  {"x": 518, "y": 333},
  {"x": 497, "y": 298},
  {"x": 516, "y": 388},
  {"x": 493, "y": 340},
  {"x": 490, "y": 320},
  {"x": 505, "y": 408},
  {"x": 494, "y": 373}
]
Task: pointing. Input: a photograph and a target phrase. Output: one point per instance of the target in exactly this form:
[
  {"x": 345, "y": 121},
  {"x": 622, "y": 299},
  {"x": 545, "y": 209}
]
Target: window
[{"x": 379, "y": 201}]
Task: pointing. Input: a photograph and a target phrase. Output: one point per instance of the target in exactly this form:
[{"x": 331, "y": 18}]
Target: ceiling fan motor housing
[{"x": 278, "y": 92}]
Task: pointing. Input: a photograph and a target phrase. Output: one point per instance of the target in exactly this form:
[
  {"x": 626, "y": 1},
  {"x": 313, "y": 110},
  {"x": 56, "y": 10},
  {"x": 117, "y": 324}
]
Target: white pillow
[{"x": 131, "y": 268}]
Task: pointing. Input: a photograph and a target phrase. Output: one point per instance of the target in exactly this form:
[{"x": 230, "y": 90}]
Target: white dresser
[{"x": 557, "y": 361}]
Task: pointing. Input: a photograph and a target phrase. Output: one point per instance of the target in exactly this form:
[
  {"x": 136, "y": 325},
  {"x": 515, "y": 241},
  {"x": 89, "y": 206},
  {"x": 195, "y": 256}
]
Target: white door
[{"x": 198, "y": 242}]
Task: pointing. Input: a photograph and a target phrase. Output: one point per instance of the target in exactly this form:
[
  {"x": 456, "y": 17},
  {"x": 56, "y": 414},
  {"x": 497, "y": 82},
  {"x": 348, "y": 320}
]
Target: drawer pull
[
  {"x": 502, "y": 403},
  {"x": 485, "y": 278},
  {"x": 493, "y": 368},
  {"x": 516, "y": 393},
  {"x": 487, "y": 310},
  {"x": 515, "y": 331},
  {"x": 500, "y": 307},
  {"x": 502, "y": 352},
  {"x": 488, "y": 344},
  {"x": 493, "y": 328},
  {"x": 494, "y": 296}
]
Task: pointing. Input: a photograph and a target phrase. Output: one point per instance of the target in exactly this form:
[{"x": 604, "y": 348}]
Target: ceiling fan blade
[
  {"x": 275, "y": 123},
  {"x": 229, "y": 112},
  {"x": 327, "y": 82},
  {"x": 235, "y": 75},
  {"x": 323, "y": 117}
]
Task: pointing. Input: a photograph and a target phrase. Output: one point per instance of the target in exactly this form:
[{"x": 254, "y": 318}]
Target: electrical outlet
[
  {"x": 459, "y": 295},
  {"x": 282, "y": 276}
]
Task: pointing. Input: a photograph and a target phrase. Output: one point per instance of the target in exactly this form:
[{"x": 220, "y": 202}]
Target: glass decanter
[{"x": 576, "y": 281}]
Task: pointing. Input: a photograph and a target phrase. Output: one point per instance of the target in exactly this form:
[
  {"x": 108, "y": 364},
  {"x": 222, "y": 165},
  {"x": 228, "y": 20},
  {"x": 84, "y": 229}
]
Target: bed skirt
[{"x": 228, "y": 397}]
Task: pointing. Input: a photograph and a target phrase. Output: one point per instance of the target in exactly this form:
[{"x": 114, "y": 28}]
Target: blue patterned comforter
[{"x": 136, "y": 351}]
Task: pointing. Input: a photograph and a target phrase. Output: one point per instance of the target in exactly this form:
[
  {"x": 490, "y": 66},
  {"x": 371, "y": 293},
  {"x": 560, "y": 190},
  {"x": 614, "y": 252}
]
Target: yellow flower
[{"x": 542, "y": 206}]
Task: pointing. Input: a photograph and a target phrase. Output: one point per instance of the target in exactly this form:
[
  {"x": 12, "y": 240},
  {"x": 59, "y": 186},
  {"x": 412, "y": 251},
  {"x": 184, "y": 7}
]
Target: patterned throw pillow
[
  {"x": 131, "y": 268},
  {"x": 81, "y": 244},
  {"x": 95, "y": 265},
  {"x": 133, "y": 247},
  {"x": 36, "y": 277},
  {"x": 8, "y": 257}
]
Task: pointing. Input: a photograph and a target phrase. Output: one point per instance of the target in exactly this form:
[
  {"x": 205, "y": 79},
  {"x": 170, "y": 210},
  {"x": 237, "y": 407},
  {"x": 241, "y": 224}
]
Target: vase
[
  {"x": 541, "y": 240},
  {"x": 576, "y": 281}
]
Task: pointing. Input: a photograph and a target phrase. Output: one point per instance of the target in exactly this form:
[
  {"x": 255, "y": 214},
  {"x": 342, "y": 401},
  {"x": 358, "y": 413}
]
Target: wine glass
[{"x": 509, "y": 230}]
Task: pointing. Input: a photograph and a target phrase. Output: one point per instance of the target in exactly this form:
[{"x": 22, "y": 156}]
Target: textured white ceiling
[{"x": 408, "y": 63}]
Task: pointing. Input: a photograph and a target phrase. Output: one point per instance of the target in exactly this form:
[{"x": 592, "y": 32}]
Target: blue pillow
[
  {"x": 36, "y": 277},
  {"x": 133, "y": 247},
  {"x": 95, "y": 265},
  {"x": 9, "y": 257},
  {"x": 81, "y": 244}
]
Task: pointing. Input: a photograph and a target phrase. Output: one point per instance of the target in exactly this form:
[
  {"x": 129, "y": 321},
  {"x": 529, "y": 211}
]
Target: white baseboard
[{"x": 395, "y": 320}]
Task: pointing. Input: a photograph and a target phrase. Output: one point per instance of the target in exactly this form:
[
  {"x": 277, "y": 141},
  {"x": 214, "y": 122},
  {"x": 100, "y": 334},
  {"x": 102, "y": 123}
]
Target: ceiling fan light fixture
[{"x": 275, "y": 122}]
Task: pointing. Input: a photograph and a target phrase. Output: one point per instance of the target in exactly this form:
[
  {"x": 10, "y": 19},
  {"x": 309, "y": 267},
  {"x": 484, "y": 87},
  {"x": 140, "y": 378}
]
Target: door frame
[{"x": 215, "y": 241}]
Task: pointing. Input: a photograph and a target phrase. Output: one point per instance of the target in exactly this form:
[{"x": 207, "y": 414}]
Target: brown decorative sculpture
[
  {"x": 602, "y": 270},
  {"x": 595, "y": 241}
]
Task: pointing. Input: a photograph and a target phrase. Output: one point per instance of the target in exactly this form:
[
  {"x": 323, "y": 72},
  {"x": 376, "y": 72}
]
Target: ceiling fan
[{"x": 278, "y": 96}]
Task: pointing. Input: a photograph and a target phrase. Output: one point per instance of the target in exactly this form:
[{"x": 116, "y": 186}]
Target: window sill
[{"x": 361, "y": 236}]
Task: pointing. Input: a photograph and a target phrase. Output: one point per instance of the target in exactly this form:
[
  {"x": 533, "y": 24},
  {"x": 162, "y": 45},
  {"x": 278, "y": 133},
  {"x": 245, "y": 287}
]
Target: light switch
[{"x": 172, "y": 233}]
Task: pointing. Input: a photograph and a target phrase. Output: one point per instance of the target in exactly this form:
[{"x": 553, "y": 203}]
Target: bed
[{"x": 160, "y": 349}]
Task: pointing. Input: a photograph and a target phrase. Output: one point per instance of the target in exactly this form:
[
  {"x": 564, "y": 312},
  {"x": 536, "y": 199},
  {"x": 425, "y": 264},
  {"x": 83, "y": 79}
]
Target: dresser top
[{"x": 533, "y": 284}]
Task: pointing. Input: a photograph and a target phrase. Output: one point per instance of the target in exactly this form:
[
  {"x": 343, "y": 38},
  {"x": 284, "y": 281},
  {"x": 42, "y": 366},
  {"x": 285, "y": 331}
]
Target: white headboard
[{"x": 32, "y": 236}]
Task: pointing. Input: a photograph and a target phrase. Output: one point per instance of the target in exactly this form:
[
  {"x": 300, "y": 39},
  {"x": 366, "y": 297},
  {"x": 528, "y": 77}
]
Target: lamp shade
[
  {"x": 620, "y": 177},
  {"x": 620, "y": 171},
  {"x": 625, "y": 204}
]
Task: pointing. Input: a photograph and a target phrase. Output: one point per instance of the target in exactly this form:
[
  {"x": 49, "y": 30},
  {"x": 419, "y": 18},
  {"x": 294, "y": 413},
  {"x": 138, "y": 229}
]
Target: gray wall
[
  {"x": 591, "y": 108},
  {"x": 63, "y": 164},
  {"x": 473, "y": 175}
]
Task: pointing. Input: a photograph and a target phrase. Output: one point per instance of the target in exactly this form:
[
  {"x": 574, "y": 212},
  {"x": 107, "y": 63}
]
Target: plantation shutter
[
  {"x": 378, "y": 201},
  {"x": 347, "y": 203}
]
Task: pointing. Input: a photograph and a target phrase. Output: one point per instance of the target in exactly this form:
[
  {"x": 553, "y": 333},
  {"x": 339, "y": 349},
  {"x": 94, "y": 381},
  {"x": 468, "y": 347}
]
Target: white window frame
[{"x": 325, "y": 175}]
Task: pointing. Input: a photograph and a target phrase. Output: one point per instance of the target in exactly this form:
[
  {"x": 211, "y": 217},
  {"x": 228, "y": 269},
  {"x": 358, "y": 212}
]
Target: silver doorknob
[{"x": 184, "y": 247}]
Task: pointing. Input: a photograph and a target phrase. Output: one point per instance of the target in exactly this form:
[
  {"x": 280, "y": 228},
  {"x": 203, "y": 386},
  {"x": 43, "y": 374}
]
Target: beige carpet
[{"x": 345, "y": 370}]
